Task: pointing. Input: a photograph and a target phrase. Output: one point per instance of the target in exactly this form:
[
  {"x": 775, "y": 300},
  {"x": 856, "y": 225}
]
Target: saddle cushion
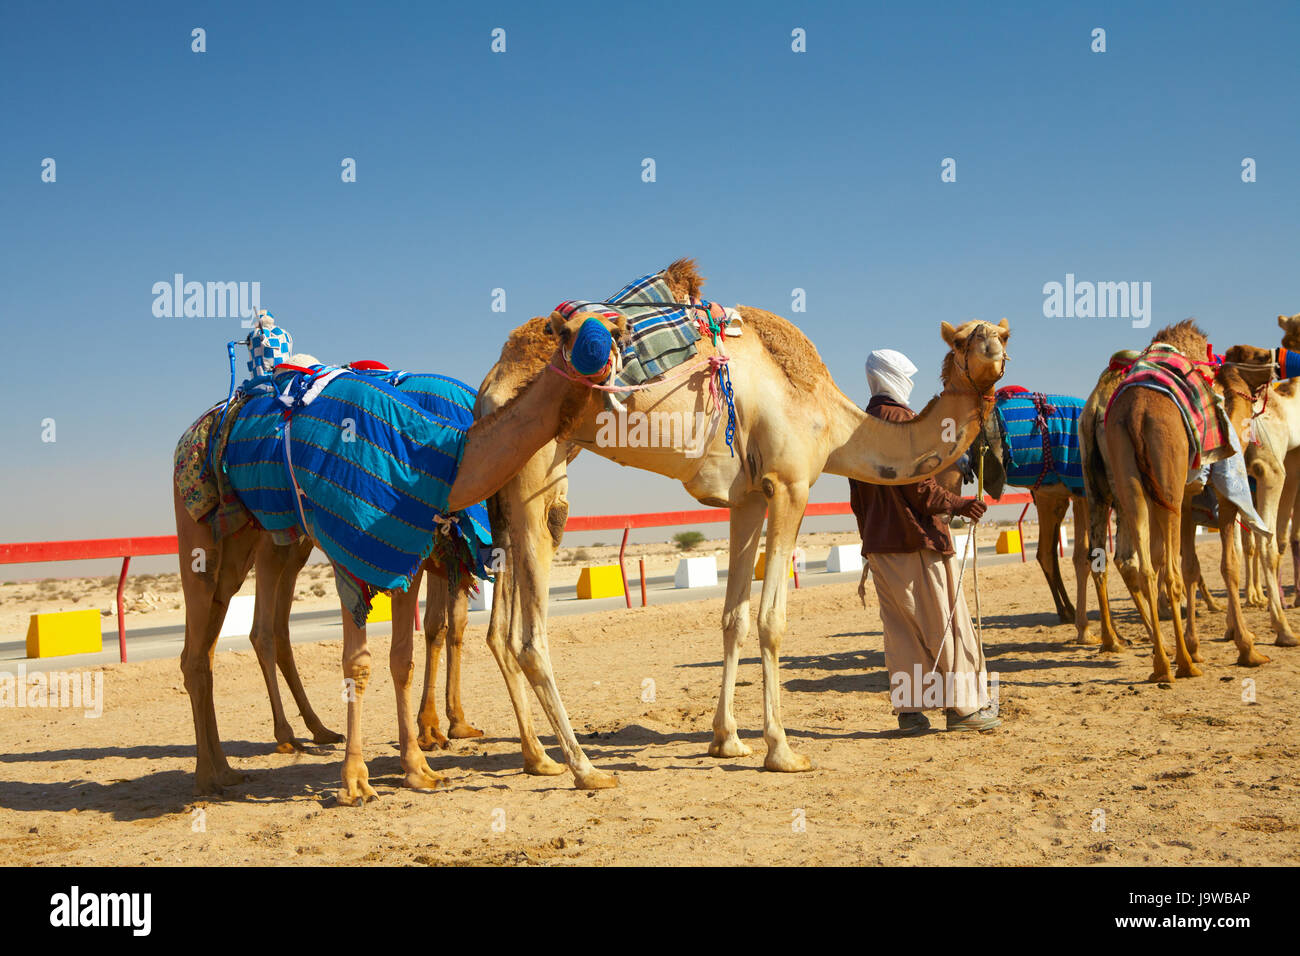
[
  {"x": 1165, "y": 369},
  {"x": 661, "y": 337},
  {"x": 1022, "y": 437}
]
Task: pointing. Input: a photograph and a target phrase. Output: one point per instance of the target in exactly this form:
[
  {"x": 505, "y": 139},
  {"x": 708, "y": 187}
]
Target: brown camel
[
  {"x": 1147, "y": 454},
  {"x": 496, "y": 447},
  {"x": 793, "y": 424},
  {"x": 1289, "y": 515}
]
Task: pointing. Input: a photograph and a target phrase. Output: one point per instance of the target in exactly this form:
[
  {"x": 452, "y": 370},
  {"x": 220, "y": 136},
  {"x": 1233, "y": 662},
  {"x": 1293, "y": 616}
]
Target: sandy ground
[{"x": 1091, "y": 765}]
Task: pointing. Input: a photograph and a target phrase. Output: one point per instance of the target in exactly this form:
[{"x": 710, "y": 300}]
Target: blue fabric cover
[
  {"x": 371, "y": 501},
  {"x": 1023, "y": 441}
]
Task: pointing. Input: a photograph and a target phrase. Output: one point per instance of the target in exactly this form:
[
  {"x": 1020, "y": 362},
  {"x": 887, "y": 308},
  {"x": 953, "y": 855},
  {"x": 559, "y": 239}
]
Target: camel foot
[
  {"x": 324, "y": 735},
  {"x": 1161, "y": 677},
  {"x": 422, "y": 778},
  {"x": 356, "y": 788},
  {"x": 429, "y": 739},
  {"x": 287, "y": 747},
  {"x": 1251, "y": 658},
  {"x": 785, "y": 760},
  {"x": 1115, "y": 646},
  {"x": 729, "y": 747},
  {"x": 1188, "y": 669},
  {"x": 212, "y": 783},
  {"x": 1287, "y": 640},
  {"x": 1089, "y": 636},
  {"x": 1197, "y": 657},
  {"x": 461, "y": 730},
  {"x": 594, "y": 779},
  {"x": 544, "y": 767}
]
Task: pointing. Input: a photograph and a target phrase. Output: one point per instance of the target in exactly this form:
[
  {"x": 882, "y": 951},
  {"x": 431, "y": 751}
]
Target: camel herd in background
[{"x": 792, "y": 425}]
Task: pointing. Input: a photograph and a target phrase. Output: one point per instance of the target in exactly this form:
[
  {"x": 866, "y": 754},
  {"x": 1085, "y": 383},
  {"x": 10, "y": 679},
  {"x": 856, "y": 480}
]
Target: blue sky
[{"x": 522, "y": 171}]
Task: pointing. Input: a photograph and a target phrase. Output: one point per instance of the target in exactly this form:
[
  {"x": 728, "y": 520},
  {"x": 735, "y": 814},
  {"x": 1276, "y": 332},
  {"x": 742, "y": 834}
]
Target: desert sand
[{"x": 1091, "y": 766}]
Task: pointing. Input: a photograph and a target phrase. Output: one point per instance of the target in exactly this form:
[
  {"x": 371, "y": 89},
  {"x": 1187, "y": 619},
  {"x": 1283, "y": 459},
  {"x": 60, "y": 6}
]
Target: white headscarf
[{"x": 889, "y": 373}]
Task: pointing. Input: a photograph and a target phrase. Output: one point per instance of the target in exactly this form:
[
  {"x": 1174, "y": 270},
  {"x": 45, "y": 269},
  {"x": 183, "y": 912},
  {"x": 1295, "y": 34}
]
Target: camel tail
[{"x": 1142, "y": 457}]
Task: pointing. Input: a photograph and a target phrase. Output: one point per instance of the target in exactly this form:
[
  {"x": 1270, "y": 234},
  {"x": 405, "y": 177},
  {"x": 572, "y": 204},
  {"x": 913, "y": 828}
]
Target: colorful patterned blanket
[
  {"x": 662, "y": 337},
  {"x": 1167, "y": 370},
  {"x": 1040, "y": 435}
]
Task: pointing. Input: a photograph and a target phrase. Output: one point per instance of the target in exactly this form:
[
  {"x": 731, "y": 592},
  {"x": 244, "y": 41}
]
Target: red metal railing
[{"x": 32, "y": 552}]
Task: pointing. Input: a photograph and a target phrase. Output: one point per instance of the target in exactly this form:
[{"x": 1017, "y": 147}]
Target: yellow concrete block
[
  {"x": 1009, "y": 542},
  {"x": 604, "y": 580},
  {"x": 381, "y": 609},
  {"x": 64, "y": 632},
  {"x": 761, "y": 565}
]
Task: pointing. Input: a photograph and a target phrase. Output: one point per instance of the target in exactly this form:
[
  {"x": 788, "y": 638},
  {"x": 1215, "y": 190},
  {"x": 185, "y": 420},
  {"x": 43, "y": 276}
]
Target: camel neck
[{"x": 498, "y": 446}]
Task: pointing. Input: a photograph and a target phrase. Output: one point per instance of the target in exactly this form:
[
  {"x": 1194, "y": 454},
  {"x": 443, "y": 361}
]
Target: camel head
[
  {"x": 977, "y": 356},
  {"x": 1290, "y": 326},
  {"x": 1247, "y": 367},
  {"x": 591, "y": 345}
]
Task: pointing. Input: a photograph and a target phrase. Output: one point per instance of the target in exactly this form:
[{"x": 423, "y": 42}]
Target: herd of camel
[{"x": 792, "y": 424}]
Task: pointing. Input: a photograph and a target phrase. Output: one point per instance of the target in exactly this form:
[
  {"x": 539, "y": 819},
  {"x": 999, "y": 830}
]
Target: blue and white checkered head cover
[{"x": 268, "y": 344}]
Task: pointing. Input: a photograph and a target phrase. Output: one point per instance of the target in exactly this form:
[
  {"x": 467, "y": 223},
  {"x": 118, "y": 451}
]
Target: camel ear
[
  {"x": 948, "y": 332},
  {"x": 620, "y": 329},
  {"x": 555, "y": 325},
  {"x": 1281, "y": 321},
  {"x": 1005, "y": 334}
]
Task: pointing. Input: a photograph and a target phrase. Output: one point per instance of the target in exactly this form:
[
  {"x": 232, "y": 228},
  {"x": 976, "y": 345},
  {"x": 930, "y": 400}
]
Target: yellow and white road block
[
  {"x": 696, "y": 572},
  {"x": 381, "y": 609},
  {"x": 761, "y": 566},
  {"x": 844, "y": 557},
  {"x": 58, "y": 633},
  {"x": 1009, "y": 541},
  {"x": 483, "y": 600},
  {"x": 239, "y": 617},
  {"x": 601, "y": 581}
]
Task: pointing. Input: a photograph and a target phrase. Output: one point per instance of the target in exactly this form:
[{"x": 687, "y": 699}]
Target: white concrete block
[
  {"x": 844, "y": 557},
  {"x": 959, "y": 543},
  {"x": 239, "y": 617},
  {"x": 483, "y": 600},
  {"x": 696, "y": 573}
]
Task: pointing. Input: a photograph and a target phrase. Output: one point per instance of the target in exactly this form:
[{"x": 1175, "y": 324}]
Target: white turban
[{"x": 889, "y": 373}]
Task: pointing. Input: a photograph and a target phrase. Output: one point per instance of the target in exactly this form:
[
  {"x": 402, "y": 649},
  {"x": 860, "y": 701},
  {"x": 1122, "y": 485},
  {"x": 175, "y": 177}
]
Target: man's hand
[
  {"x": 862, "y": 582},
  {"x": 972, "y": 508}
]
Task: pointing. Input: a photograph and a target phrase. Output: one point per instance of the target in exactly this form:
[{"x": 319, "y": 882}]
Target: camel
[
  {"x": 793, "y": 423},
  {"x": 495, "y": 448},
  {"x": 1289, "y": 515},
  {"x": 1147, "y": 452}
]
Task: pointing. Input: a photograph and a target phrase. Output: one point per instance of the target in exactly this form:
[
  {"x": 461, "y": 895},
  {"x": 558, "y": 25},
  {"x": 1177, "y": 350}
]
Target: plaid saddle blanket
[
  {"x": 1040, "y": 437},
  {"x": 1167, "y": 370},
  {"x": 374, "y": 462},
  {"x": 663, "y": 336}
]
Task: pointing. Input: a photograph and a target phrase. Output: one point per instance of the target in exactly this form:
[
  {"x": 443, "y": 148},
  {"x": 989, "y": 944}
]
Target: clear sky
[{"x": 522, "y": 171}]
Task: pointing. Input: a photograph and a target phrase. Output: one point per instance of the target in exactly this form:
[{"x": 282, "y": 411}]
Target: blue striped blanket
[
  {"x": 375, "y": 462},
  {"x": 1022, "y": 437}
]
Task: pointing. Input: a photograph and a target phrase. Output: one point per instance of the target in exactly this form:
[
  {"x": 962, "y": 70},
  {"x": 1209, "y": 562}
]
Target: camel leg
[
  {"x": 1211, "y": 602},
  {"x": 1079, "y": 558},
  {"x": 207, "y": 594},
  {"x": 1191, "y": 579},
  {"x": 1270, "y": 491},
  {"x": 298, "y": 556},
  {"x": 1167, "y": 526},
  {"x": 1247, "y": 656},
  {"x": 417, "y": 774},
  {"x": 746, "y": 525},
  {"x": 356, "y": 675},
  {"x": 505, "y": 611},
  {"x": 1051, "y": 507},
  {"x": 531, "y": 557},
  {"x": 458, "y": 728},
  {"x": 786, "y": 504},
  {"x": 1099, "y": 561},
  {"x": 269, "y": 562},
  {"x": 435, "y": 635}
]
